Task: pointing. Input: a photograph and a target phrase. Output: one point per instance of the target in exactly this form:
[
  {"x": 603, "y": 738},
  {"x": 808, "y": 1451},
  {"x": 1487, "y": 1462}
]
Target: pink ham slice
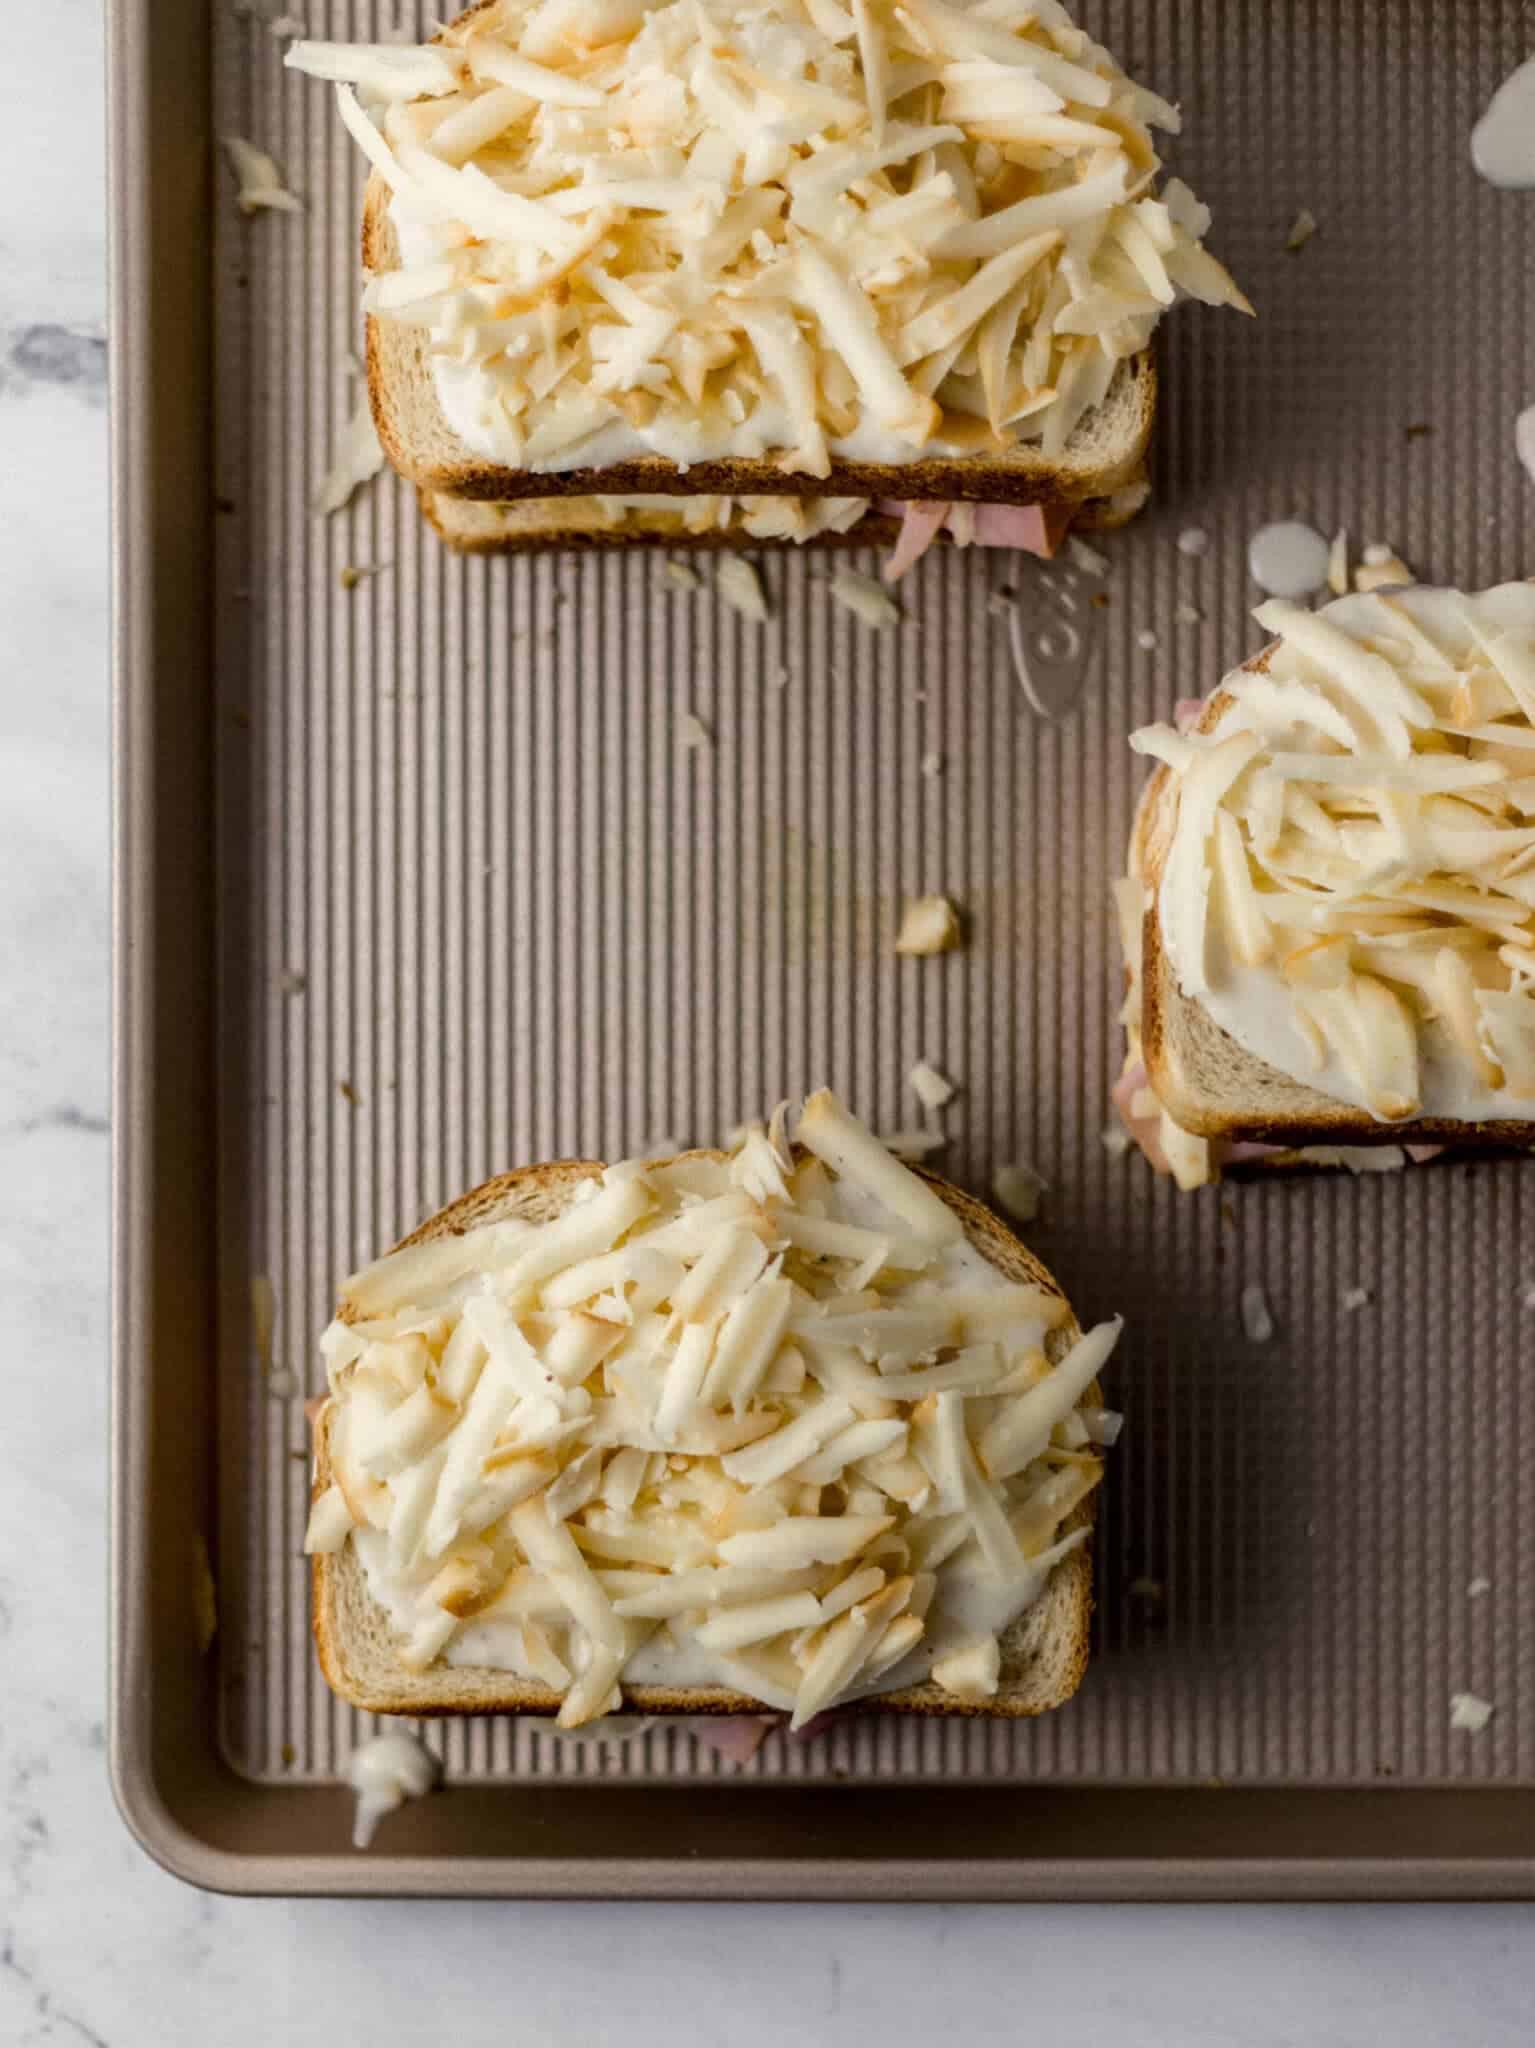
[
  {"x": 1147, "y": 1133},
  {"x": 1029, "y": 529},
  {"x": 921, "y": 522},
  {"x": 1147, "y": 1130},
  {"x": 735, "y": 1737}
]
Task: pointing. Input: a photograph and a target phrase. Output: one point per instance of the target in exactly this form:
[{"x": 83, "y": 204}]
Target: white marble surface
[{"x": 96, "y": 1944}]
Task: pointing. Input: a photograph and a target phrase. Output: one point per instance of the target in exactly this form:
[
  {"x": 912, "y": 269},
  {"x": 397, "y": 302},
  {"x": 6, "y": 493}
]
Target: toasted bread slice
[
  {"x": 1106, "y": 453},
  {"x": 481, "y": 526},
  {"x": 1206, "y": 1082},
  {"x": 1044, "y": 1653}
]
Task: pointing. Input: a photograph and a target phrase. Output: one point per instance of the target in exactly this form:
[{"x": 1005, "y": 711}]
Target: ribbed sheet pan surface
[{"x": 481, "y": 906}]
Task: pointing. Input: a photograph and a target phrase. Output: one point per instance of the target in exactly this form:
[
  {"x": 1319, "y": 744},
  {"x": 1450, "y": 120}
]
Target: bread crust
[
  {"x": 1045, "y": 1653},
  {"x": 1180, "y": 1041},
  {"x": 425, "y": 450}
]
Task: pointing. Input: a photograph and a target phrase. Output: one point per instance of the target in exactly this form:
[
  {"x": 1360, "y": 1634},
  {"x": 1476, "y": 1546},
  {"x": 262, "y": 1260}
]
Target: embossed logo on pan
[{"x": 1053, "y": 630}]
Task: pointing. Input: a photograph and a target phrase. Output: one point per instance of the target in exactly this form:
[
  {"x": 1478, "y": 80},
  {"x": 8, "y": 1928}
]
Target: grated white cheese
[
  {"x": 973, "y": 1673},
  {"x": 261, "y": 184},
  {"x": 1382, "y": 568},
  {"x": 865, "y": 599},
  {"x": 1302, "y": 228},
  {"x": 931, "y": 924},
  {"x": 359, "y": 456},
  {"x": 933, "y": 1090},
  {"x": 741, "y": 587},
  {"x": 1337, "y": 564},
  {"x": 913, "y": 1145},
  {"x": 1257, "y": 1318},
  {"x": 1347, "y": 892},
  {"x": 924, "y": 227},
  {"x": 1085, "y": 558},
  {"x": 1469, "y": 1712}
]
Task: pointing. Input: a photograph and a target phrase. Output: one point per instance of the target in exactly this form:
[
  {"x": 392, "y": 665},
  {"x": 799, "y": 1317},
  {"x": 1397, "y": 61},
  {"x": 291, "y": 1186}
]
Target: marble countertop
[{"x": 99, "y": 1946}]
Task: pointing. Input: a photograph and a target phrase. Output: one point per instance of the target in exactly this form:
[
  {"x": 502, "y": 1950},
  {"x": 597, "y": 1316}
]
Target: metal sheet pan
[{"x": 415, "y": 880}]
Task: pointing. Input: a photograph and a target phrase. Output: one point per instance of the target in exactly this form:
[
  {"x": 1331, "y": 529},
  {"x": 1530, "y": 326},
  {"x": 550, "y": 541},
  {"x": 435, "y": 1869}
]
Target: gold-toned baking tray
[{"x": 416, "y": 880}]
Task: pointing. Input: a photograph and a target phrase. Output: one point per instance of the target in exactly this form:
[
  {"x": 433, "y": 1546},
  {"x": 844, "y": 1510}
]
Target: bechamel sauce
[
  {"x": 1288, "y": 559},
  {"x": 1503, "y": 141},
  {"x": 384, "y": 1772}
]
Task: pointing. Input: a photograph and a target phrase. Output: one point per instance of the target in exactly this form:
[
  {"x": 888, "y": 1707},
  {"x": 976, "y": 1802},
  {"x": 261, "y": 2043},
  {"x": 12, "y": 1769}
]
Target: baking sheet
[{"x": 418, "y": 880}]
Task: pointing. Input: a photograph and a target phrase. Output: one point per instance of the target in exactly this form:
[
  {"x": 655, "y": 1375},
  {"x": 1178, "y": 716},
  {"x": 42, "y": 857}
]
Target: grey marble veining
[
  {"x": 98, "y": 1946},
  {"x": 45, "y": 353}
]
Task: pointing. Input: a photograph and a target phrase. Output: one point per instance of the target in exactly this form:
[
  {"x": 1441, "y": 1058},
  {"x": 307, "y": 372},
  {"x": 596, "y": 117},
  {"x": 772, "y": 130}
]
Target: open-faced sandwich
[
  {"x": 1329, "y": 918},
  {"x": 785, "y": 1427},
  {"x": 904, "y": 257}
]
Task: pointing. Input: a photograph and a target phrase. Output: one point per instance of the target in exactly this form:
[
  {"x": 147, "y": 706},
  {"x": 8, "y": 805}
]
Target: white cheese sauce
[
  {"x": 384, "y": 1773},
  {"x": 1503, "y": 141},
  {"x": 1287, "y": 559}
]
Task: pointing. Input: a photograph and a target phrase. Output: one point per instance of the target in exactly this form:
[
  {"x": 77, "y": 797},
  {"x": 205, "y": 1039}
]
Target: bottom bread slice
[
  {"x": 481, "y": 526},
  {"x": 1044, "y": 1652}
]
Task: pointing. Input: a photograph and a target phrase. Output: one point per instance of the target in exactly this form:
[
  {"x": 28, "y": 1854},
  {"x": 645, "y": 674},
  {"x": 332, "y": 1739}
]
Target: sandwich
[
  {"x": 1329, "y": 917},
  {"x": 783, "y": 1428},
  {"x": 481, "y": 526},
  {"x": 911, "y": 254}
]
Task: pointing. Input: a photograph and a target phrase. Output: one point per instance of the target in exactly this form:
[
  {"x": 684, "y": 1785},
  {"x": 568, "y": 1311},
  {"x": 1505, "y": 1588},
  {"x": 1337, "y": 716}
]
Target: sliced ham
[
  {"x": 817, "y": 1725},
  {"x": 1031, "y": 529},
  {"x": 1145, "y": 1130},
  {"x": 921, "y": 521},
  {"x": 735, "y": 1737},
  {"x": 1028, "y": 529},
  {"x": 1147, "y": 1133}
]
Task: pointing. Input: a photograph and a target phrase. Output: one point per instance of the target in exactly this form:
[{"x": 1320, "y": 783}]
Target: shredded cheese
[
  {"x": 930, "y": 924},
  {"x": 261, "y": 186},
  {"x": 358, "y": 459},
  {"x": 774, "y": 229},
  {"x": 741, "y": 587},
  {"x": 1348, "y": 886}
]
